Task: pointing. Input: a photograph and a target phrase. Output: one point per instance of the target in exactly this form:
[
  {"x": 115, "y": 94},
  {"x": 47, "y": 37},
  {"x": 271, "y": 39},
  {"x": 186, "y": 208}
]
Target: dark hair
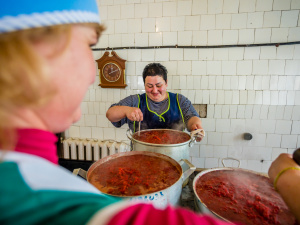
[{"x": 155, "y": 69}]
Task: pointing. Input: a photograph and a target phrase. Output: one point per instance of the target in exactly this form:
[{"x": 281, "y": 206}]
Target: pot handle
[
  {"x": 195, "y": 134},
  {"x": 231, "y": 159},
  {"x": 192, "y": 141},
  {"x": 187, "y": 167},
  {"x": 129, "y": 134},
  {"x": 80, "y": 172}
]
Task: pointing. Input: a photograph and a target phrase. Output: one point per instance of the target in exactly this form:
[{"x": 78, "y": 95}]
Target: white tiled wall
[{"x": 247, "y": 89}]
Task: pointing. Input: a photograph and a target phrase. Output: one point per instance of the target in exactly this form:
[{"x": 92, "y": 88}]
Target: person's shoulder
[
  {"x": 174, "y": 93},
  {"x": 140, "y": 95},
  {"x": 131, "y": 100},
  {"x": 135, "y": 96},
  {"x": 181, "y": 97}
]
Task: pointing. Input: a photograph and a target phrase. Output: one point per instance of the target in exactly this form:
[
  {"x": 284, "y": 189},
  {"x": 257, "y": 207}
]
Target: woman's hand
[
  {"x": 116, "y": 113},
  {"x": 198, "y": 127},
  {"x": 134, "y": 114},
  {"x": 283, "y": 161},
  {"x": 288, "y": 184}
]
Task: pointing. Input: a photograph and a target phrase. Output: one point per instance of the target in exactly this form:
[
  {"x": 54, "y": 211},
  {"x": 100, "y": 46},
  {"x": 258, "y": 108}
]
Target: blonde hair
[{"x": 24, "y": 80}]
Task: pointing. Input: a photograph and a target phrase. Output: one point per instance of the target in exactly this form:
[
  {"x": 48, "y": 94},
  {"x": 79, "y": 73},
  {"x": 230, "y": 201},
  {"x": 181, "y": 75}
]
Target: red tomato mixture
[
  {"x": 243, "y": 197},
  {"x": 134, "y": 175},
  {"x": 161, "y": 136}
]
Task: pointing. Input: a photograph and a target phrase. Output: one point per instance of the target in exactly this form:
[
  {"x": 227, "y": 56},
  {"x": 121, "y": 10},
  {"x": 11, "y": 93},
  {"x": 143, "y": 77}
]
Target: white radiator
[{"x": 91, "y": 149}]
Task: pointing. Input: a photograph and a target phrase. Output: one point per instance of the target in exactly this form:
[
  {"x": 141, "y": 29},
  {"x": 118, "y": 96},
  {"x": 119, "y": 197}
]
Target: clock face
[{"x": 111, "y": 72}]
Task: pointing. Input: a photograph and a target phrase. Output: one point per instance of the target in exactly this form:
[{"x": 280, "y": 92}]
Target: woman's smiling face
[{"x": 156, "y": 88}]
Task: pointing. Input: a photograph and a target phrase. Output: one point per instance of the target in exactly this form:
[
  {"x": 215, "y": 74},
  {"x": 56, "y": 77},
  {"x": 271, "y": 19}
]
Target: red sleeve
[{"x": 146, "y": 214}]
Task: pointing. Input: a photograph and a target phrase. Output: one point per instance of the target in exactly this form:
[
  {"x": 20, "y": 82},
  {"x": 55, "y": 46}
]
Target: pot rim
[
  {"x": 160, "y": 145},
  {"x": 218, "y": 169},
  {"x": 122, "y": 154}
]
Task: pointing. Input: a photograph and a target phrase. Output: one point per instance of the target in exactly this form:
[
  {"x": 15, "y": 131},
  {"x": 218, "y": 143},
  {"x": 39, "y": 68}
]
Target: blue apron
[{"x": 172, "y": 118}]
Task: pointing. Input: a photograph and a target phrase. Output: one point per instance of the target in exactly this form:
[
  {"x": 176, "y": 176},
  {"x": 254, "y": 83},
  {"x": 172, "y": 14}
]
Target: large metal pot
[
  {"x": 203, "y": 208},
  {"x": 160, "y": 199},
  {"x": 200, "y": 205},
  {"x": 175, "y": 151}
]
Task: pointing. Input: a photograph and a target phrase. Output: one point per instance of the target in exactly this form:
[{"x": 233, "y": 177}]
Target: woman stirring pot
[{"x": 157, "y": 108}]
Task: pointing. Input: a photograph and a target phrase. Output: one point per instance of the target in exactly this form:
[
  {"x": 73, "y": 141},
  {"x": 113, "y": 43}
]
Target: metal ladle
[{"x": 139, "y": 127}]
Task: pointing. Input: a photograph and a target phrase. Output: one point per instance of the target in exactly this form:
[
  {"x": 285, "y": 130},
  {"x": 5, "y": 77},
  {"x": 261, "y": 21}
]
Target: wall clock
[{"x": 111, "y": 71}]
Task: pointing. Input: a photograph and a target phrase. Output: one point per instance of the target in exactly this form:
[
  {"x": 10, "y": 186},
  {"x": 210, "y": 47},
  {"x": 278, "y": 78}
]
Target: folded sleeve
[{"x": 131, "y": 101}]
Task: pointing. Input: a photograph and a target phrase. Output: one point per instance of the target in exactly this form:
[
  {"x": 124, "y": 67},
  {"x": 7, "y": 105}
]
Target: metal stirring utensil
[{"x": 139, "y": 127}]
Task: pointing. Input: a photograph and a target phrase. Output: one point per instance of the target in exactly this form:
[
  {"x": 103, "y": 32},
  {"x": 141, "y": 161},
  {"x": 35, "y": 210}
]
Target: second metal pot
[
  {"x": 159, "y": 199},
  {"x": 175, "y": 151}
]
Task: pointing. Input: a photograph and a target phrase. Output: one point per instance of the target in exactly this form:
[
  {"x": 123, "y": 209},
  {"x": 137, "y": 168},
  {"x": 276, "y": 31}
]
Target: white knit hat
[{"x": 24, "y": 14}]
